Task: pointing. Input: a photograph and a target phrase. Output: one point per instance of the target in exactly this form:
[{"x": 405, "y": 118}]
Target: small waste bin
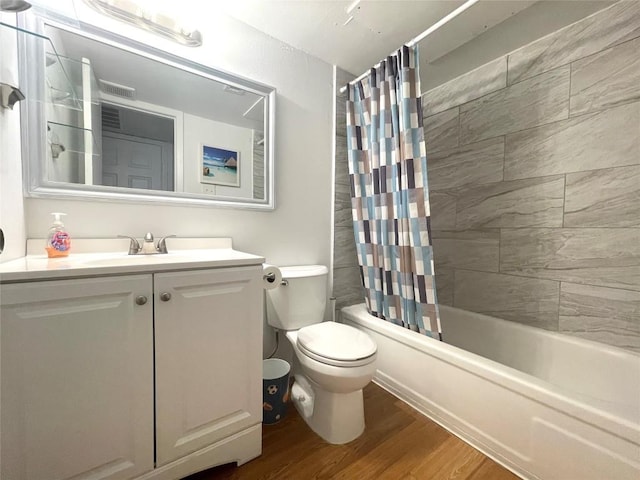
[{"x": 275, "y": 389}]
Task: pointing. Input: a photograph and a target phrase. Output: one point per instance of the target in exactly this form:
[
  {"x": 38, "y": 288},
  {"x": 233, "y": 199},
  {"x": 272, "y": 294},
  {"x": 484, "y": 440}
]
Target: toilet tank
[{"x": 301, "y": 301}]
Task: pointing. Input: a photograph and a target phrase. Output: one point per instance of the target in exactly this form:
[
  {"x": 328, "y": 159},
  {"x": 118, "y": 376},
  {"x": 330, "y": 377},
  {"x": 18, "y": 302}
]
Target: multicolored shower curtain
[{"x": 389, "y": 194}]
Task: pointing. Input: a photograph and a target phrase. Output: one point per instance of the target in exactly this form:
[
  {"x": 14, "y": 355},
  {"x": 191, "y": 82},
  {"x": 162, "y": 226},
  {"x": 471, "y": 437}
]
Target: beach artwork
[{"x": 220, "y": 166}]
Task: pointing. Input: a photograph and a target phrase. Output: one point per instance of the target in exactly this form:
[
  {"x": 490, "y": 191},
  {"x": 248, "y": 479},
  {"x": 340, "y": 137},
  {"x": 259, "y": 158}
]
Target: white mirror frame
[{"x": 33, "y": 122}]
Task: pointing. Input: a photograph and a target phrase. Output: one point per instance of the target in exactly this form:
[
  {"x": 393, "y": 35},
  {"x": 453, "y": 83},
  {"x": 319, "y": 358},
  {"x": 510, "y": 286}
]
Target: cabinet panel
[
  {"x": 77, "y": 379},
  {"x": 208, "y": 357}
]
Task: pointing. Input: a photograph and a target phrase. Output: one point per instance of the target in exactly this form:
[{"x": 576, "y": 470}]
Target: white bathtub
[{"x": 545, "y": 405}]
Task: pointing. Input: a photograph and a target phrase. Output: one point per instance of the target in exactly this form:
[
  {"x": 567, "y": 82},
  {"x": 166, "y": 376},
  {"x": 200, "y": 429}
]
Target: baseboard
[
  {"x": 448, "y": 421},
  {"x": 240, "y": 448}
]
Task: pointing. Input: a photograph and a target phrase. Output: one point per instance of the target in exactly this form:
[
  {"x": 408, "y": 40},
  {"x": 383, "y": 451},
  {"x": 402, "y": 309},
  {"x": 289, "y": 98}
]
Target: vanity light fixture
[
  {"x": 14, "y": 6},
  {"x": 163, "y": 24}
]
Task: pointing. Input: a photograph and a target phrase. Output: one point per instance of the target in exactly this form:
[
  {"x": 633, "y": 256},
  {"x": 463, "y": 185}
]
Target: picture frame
[{"x": 219, "y": 166}]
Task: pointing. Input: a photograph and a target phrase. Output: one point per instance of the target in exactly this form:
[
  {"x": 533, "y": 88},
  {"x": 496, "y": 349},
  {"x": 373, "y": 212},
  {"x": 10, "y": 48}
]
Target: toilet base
[{"x": 337, "y": 417}]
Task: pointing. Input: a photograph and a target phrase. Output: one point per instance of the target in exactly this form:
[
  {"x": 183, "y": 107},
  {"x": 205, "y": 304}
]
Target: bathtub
[{"x": 543, "y": 404}]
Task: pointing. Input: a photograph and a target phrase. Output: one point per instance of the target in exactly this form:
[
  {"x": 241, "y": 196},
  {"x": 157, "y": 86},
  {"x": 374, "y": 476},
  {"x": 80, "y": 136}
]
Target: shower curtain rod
[{"x": 423, "y": 35}]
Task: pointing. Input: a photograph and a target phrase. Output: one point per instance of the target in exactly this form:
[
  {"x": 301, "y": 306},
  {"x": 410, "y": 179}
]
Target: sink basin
[
  {"x": 138, "y": 259},
  {"x": 108, "y": 256}
]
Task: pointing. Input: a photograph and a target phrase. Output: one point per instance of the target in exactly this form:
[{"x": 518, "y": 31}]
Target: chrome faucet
[
  {"x": 147, "y": 247},
  {"x": 134, "y": 246},
  {"x": 162, "y": 244}
]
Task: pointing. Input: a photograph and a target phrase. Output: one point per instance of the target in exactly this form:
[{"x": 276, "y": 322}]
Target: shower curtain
[{"x": 389, "y": 194}]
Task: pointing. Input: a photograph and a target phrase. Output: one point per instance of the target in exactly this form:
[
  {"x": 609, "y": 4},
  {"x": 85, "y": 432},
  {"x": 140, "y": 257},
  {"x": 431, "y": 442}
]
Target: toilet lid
[
  {"x": 333, "y": 342},
  {"x": 297, "y": 271}
]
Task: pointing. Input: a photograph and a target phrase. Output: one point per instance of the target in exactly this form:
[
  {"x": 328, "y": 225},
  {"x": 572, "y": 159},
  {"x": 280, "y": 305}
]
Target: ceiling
[{"x": 356, "y": 34}]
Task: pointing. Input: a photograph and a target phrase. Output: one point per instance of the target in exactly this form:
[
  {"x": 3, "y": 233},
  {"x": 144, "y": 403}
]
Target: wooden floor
[{"x": 398, "y": 443}]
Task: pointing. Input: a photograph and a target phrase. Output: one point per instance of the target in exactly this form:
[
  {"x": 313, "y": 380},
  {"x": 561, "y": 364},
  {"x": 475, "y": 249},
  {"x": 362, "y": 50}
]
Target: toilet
[{"x": 333, "y": 362}]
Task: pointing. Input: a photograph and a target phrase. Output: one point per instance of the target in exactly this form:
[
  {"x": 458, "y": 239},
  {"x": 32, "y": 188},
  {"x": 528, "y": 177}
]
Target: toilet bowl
[{"x": 333, "y": 362}]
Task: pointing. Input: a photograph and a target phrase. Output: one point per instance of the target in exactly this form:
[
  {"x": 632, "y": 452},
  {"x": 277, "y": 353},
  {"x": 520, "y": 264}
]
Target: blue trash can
[{"x": 275, "y": 389}]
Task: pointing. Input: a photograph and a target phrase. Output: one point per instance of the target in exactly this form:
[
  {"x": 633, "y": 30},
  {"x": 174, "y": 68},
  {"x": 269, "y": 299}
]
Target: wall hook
[
  {"x": 56, "y": 149},
  {"x": 10, "y": 95}
]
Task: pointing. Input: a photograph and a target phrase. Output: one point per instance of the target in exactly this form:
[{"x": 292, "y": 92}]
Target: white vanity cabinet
[
  {"x": 77, "y": 379},
  {"x": 208, "y": 358},
  {"x": 130, "y": 377}
]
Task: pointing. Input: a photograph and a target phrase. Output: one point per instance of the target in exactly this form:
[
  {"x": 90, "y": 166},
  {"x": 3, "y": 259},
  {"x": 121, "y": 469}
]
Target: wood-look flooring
[{"x": 398, "y": 443}]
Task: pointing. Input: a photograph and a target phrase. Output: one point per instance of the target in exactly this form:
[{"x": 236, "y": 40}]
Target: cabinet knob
[
  {"x": 141, "y": 299},
  {"x": 165, "y": 296}
]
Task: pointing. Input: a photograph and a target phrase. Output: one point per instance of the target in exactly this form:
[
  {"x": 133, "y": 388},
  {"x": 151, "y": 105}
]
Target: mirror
[{"x": 122, "y": 121}]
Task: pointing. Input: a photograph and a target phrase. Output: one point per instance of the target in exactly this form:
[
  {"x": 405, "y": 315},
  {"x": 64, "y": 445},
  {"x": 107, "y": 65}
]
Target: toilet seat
[{"x": 336, "y": 344}]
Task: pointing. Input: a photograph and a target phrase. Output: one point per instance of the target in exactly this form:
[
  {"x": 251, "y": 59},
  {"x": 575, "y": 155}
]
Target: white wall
[
  {"x": 11, "y": 202},
  {"x": 200, "y": 131}
]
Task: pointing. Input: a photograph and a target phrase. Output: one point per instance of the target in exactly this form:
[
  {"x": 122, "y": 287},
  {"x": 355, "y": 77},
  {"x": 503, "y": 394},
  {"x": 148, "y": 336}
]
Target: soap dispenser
[{"x": 58, "y": 240}]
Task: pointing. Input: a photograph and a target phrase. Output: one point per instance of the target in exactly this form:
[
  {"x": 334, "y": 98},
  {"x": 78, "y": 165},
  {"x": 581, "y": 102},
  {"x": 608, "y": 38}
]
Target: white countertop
[{"x": 106, "y": 261}]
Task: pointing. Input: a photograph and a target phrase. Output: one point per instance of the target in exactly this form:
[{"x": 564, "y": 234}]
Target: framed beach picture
[{"x": 220, "y": 166}]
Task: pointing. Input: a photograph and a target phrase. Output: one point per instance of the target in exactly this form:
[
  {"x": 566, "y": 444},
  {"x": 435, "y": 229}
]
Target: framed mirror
[{"x": 109, "y": 118}]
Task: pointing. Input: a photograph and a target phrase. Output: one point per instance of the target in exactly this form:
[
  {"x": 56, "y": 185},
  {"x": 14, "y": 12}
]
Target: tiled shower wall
[
  {"x": 534, "y": 177},
  {"x": 347, "y": 284}
]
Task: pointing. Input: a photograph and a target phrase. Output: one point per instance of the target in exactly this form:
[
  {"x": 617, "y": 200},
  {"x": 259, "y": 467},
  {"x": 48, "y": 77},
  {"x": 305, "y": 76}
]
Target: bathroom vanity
[{"x": 130, "y": 367}]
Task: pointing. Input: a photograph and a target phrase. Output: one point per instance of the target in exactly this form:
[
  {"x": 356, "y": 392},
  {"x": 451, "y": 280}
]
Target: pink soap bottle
[{"x": 58, "y": 240}]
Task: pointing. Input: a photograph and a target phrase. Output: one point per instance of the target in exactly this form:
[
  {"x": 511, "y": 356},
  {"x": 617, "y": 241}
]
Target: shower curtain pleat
[{"x": 389, "y": 194}]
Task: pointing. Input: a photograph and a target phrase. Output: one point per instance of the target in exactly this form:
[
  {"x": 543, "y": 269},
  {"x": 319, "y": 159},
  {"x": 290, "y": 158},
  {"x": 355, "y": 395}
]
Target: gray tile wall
[
  {"x": 534, "y": 175},
  {"x": 347, "y": 284},
  {"x": 593, "y": 34}
]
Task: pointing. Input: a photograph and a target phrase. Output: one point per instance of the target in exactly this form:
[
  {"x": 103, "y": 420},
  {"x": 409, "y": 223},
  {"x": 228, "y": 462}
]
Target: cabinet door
[
  {"x": 76, "y": 379},
  {"x": 208, "y": 357}
]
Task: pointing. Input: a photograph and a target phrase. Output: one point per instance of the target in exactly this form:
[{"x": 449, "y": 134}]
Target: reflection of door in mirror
[{"x": 137, "y": 149}]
